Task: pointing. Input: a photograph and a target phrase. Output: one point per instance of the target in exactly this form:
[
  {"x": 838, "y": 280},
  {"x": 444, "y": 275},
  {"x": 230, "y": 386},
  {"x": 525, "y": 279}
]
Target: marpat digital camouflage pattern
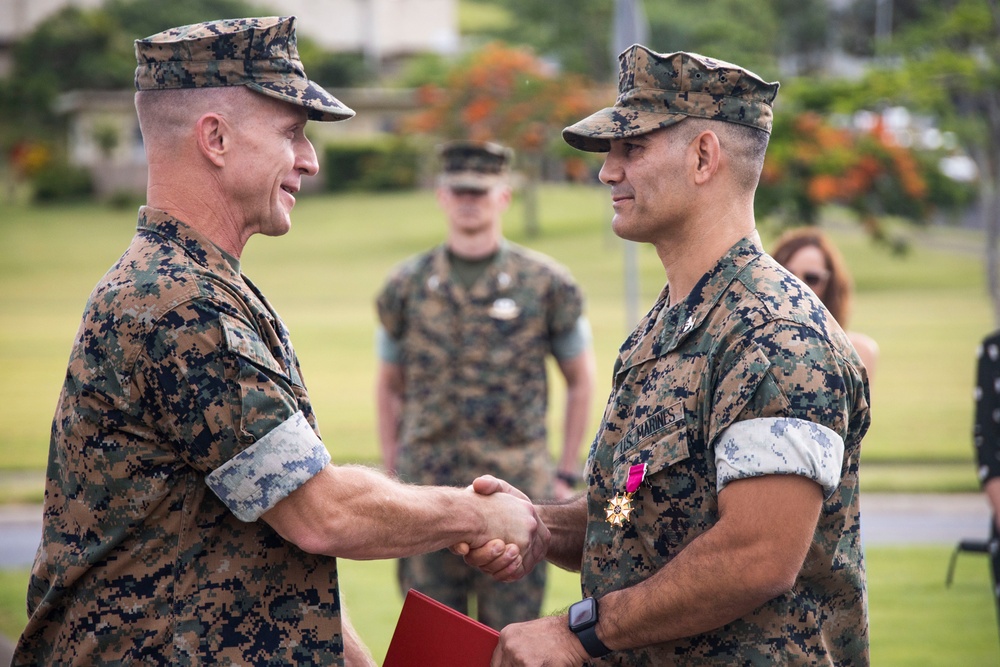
[
  {"x": 183, "y": 407},
  {"x": 259, "y": 53},
  {"x": 476, "y": 392},
  {"x": 473, "y": 165},
  {"x": 658, "y": 90},
  {"x": 749, "y": 342}
]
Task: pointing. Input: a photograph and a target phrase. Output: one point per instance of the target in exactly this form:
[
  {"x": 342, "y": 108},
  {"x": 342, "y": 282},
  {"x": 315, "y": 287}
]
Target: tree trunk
[
  {"x": 990, "y": 199},
  {"x": 533, "y": 174},
  {"x": 990, "y": 202}
]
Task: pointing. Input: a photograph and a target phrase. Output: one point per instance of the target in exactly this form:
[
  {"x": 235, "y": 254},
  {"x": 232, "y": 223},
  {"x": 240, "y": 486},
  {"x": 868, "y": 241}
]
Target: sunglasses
[{"x": 814, "y": 279}]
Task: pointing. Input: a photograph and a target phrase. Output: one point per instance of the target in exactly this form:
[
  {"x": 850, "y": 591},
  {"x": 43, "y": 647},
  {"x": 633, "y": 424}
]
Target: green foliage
[
  {"x": 77, "y": 49},
  {"x": 428, "y": 68},
  {"x": 141, "y": 18},
  {"x": 755, "y": 35},
  {"x": 576, "y": 33},
  {"x": 378, "y": 165},
  {"x": 335, "y": 70},
  {"x": 740, "y": 32},
  {"x": 61, "y": 182},
  {"x": 87, "y": 49}
]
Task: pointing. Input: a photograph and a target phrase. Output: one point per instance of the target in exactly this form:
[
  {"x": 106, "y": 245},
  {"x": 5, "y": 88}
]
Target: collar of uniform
[
  {"x": 670, "y": 326},
  {"x": 489, "y": 284},
  {"x": 195, "y": 244}
]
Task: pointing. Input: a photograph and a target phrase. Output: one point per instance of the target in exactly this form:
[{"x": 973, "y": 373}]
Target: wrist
[{"x": 582, "y": 620}]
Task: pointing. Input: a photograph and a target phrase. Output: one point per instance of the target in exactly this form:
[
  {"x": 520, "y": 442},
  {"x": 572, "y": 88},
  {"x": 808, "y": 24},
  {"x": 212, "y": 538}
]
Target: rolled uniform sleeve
[
  {"x": 257, "y": 478},
  {"x": 574, "y": 342},
  {"x": 229, "y": 399},
  {"x": 782, "y": 408}
]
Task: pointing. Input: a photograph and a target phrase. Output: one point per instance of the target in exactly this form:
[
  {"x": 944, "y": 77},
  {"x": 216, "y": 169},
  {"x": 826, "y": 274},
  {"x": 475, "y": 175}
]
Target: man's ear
[
  {"x": 212, "y": 133},
  {"x": 707, "y": 155}
]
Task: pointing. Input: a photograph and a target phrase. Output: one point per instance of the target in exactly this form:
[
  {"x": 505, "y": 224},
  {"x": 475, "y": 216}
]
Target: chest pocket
[
  {"x": 659, "y": 441},
  {"x": 248, "y": 344}
]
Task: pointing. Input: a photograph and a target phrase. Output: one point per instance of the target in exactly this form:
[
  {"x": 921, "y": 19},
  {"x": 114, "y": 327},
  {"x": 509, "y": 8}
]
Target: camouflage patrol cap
[
  {"x": 259, "y": 53},
  {"x": 660, "y": 89},
  {"x": 474, "y": 165}
]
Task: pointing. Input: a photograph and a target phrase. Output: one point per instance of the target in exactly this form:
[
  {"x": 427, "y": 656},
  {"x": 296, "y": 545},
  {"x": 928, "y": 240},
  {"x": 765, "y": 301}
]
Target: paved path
[{"x": 886, "y": 519}]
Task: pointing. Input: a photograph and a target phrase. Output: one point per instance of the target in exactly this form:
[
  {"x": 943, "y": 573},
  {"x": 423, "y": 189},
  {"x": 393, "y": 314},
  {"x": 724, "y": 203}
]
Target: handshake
[{"x": 514, "y": 538}]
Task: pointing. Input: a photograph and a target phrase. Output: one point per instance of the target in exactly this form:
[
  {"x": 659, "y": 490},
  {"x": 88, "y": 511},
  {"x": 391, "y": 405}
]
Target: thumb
[{"x": 487, "y": 485}]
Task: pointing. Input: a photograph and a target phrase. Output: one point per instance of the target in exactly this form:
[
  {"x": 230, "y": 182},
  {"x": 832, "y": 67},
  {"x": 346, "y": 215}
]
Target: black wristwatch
[
  {"x": 582, "y": 621},
  {"x": 572, "y": 481}
]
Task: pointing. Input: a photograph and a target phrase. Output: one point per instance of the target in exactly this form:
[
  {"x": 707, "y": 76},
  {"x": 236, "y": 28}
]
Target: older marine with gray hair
[{"x": 192, "y": 515}]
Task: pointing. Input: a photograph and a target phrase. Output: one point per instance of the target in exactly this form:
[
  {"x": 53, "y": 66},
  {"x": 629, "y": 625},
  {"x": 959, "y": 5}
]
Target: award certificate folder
[{"x": 430, "y": 634}]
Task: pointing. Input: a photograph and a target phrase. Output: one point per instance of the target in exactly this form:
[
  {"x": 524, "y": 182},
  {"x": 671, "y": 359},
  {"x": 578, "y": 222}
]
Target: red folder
[{"x": 429, "y": 634}]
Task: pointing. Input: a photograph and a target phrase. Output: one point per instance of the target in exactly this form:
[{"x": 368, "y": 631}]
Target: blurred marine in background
[{"x": 465, "y": 331}]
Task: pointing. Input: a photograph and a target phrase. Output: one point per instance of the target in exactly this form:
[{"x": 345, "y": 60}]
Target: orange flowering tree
[
  {"x": 505, "y": 94},
  {"x": 811, "y": 163}
]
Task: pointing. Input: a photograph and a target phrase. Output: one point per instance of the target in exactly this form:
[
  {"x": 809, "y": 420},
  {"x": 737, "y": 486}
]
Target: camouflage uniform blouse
[
  {"x": 474, "y": 364},
  {"x": 182, "y": 419},
  {"x": 748, "y": 376}
]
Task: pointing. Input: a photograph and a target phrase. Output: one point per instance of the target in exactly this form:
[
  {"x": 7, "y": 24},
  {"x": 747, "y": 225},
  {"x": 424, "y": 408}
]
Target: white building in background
[
  {"x": 381, "y": 29},
  {"x": 384, "y": 30}
]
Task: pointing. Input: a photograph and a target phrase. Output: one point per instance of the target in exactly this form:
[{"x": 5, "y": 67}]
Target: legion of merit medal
[{"x": 620, "y": 507}]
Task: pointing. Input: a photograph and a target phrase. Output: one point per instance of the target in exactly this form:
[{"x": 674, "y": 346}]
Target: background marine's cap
[
  {"x": 259, "y": 53},
  {"x": 660, "y": 89},
  {"x": 474, "y": 165}
]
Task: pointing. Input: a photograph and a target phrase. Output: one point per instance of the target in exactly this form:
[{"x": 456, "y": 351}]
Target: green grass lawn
[
  {"x": 915, "y": 620},
  {"x": 927, "y": 310}
]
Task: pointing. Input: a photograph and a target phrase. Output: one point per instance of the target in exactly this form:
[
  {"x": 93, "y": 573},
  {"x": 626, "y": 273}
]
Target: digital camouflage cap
[
  {"x": 259, "y": 53},
  {"x": 474, "y": 165},
  {"x": 660, "y": 89}
]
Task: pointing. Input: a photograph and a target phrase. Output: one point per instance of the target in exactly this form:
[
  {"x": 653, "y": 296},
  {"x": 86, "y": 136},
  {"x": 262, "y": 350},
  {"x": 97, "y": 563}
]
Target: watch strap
[{"x": 592, "y": 643}]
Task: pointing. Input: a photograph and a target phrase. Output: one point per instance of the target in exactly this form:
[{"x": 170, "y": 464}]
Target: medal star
[{"x": 619, "y": 509}]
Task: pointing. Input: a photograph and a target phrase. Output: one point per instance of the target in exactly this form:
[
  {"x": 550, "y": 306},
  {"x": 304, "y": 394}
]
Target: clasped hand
[{"x": 515, "y": 539}]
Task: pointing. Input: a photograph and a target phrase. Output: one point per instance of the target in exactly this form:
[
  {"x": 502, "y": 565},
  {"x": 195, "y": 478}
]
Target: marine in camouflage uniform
[
  {"x": 713, "y": 390},
  {"x": 738, "y": 398},
  {"x": 192, "y": 515},
  {"x": 183, "y": 418},
  {"x": 473, "y": 391},
  {"x": 181, "y": 379}
]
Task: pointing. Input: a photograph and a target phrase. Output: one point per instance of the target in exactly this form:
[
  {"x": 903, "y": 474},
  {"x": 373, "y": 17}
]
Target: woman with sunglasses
[{"x": 815, "y": 260}]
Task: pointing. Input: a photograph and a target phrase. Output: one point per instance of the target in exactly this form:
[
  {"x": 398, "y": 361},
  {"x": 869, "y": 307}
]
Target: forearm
[
  {"x": 703, "y": 588},
  {"x": 567, "y": 524},
  {"x": 749, "y": 557},
  {"x": 359, "y": 513}
]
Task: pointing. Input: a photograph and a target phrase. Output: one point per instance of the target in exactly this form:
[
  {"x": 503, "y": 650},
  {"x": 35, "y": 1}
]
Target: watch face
[{"x": 582, "y": 613}]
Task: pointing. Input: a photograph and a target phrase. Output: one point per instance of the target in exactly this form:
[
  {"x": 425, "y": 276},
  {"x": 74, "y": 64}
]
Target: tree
[
  {"x": 86, "y": 49},
  {"x": 574, "y": 33},
  {"x": 812, "y": 163},
  {"x": 505, "y": 94},
  {"x": 949, "y": 64},
  {"x": 757, "y": 35}
]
